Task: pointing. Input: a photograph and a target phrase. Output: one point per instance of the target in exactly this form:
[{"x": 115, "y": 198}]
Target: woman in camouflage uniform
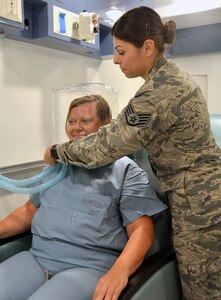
[{"x": 167, "y": 117}]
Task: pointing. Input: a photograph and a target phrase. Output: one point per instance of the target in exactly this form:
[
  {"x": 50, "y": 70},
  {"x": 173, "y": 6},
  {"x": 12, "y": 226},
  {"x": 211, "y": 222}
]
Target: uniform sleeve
[
  {"x": 136, "y": 126},
  {"x": 138, "y": 197},
  {"x": 110, "y": 143},
  {"x": 35, "y": 198},
  {"x": 153, "y": 109}
]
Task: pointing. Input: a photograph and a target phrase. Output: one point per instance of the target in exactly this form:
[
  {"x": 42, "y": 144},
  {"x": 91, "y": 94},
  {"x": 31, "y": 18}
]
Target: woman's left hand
[{"x": 110, "y": 285}]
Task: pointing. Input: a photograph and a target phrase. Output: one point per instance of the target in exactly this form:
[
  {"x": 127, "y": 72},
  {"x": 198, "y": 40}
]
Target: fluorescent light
[
  {"x": 114, "y": 13},
  {"x": 182, "y": 7}
]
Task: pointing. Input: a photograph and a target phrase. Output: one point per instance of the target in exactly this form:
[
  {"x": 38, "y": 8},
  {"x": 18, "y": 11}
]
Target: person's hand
[
  {"x": 47, "y": 157},
  {"x": 110, "y": 286}
]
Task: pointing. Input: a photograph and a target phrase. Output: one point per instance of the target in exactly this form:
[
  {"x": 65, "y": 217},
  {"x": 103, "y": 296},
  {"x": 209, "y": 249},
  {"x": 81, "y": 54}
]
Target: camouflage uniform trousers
[{"x": 196, "y": 219}]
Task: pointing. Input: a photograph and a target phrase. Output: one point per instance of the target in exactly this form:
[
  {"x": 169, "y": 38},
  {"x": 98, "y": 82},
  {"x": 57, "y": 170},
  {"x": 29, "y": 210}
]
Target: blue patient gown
[{"x": 79, "y": 229}]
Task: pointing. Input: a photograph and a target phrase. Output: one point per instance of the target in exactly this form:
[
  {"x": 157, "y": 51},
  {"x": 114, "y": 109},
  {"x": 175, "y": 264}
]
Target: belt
[{"x": 48, "y": 275}]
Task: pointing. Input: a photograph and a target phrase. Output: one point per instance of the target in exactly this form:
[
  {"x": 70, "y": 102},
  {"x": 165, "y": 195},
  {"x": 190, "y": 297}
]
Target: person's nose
[{"x": 78, "y": 127}]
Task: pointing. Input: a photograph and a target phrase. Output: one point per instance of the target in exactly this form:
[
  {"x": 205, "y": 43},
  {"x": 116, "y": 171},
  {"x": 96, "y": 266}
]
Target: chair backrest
[
  {"x": 162, "y": 222},
  {"x": 215, "y": 121}
]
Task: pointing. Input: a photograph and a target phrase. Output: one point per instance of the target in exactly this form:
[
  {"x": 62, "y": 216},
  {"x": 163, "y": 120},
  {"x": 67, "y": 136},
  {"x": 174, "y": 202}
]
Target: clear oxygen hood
[{"x": 62, "y": 97}]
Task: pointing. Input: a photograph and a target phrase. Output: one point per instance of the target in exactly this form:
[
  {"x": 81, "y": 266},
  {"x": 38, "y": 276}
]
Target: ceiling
[
  {"x": 184, "y": 14},
  {"x": 191, "y": 14}
]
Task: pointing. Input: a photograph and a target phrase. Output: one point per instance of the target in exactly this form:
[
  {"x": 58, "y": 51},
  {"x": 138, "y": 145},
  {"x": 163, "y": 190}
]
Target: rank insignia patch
[{"x": 134, "y": 119}]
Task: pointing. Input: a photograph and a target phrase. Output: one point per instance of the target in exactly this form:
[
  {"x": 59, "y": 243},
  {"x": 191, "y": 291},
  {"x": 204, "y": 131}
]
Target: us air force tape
[{"x": 134, "y": 119}]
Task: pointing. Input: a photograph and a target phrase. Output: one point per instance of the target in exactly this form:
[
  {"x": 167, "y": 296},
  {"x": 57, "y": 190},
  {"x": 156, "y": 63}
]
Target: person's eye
[
  {"x": 120, "y": 52},
  {"x": 71, "y": 122},
  {"x": 86, "y": 121}
]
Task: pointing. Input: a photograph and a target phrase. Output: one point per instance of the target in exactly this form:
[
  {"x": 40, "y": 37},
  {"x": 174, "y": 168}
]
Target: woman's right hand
[{"x": 47, "y": 157}]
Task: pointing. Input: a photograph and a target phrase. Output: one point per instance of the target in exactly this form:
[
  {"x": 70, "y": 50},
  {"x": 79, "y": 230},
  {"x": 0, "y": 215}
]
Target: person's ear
[{"x": 149, "y": 47}]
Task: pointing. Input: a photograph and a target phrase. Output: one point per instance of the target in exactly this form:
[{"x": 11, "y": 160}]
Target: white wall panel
[
  {"x": 28, "y": 74},
  {"x": 209, "y": 66}
]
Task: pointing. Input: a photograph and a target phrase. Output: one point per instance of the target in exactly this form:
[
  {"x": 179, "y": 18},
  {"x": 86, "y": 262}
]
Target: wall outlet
[{"x": 11, "y": 10}]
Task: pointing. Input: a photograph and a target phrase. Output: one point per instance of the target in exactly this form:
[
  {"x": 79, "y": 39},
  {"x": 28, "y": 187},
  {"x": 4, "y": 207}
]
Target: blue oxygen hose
[
  {"x": 33, "y": 179},
  {"x": 15, "y": 185}
]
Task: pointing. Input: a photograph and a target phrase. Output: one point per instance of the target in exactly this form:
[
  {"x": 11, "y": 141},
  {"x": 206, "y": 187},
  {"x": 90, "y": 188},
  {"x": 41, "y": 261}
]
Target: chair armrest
[
  {"x": 149, "y": 267},
  {"x": 13, "y": 245}
]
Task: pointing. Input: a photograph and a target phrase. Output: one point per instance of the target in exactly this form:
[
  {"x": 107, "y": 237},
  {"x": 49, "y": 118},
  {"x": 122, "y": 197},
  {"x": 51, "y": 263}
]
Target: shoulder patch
[{"x": 134, "y": 119}]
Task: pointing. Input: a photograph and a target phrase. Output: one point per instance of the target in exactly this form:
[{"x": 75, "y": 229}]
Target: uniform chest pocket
[
  {"x": 95, "y": 205},
  {"x": 93, "y": 210}
]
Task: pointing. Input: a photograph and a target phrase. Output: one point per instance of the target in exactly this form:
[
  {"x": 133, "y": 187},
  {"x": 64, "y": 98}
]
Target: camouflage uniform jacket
[{"x": 167, "y": 116}]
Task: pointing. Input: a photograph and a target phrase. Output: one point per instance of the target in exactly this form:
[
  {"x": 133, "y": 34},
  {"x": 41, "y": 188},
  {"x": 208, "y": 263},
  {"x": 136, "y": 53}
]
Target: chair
[
  {"x": 11, "y": 246},
  {"x": 215, "y": 121},
  {"x": 157, "y": 278}
]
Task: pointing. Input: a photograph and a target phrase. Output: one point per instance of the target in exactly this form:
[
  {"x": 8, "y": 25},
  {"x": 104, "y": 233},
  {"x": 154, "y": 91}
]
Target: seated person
[{"x": 90, "y": 232}]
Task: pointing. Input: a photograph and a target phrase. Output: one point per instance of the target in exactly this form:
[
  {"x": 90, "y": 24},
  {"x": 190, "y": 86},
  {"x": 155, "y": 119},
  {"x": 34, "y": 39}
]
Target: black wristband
[{"x": 54, "y": 153}]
